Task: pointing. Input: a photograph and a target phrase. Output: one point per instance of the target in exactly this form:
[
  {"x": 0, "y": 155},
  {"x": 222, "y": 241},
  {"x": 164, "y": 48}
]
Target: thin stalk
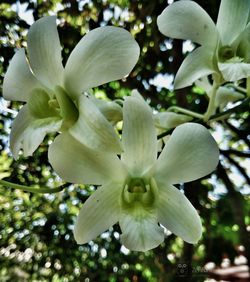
[
  {"x": 163, "y": 134},
  {"x": 185, "y": 111},
  {"x": 227, "y": 113},
  {"x": 248, "y": 86},
  {"x": 42, "y": 190},
  {"x": 238, "y": 88},
  {"x": 211, "y": 105}
]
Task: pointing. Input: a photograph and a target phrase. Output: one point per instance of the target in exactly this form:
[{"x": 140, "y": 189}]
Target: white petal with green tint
[
  {"x": 44, "y": 51},
  {"x": 99, "y": 212},
  {"x": 242, "y": 44},
  {"x": 27, "y": 133},
  {"x": 177, "y": 214},
  {"x": 19, "y": 80},
  {"x": 138, "y": 136},
  {"x": 38, "y": 105},
  {"x": 197, "y": 64},
  {"x": 135, "y": 93},
  {"x": 66, "y": 107},
  {"x": 233, "y": 71},
  {"x": 140, "y": 230},
  {"x": 110, "y": 109},
  {"x": 167, "y": 120},
  {"x": 93, "y": 130},
  {"x": 232, "y": 19},
  {"x": 187, "y": 20},
  {"x": 190, "y": 153},
  {"x": 204, "y": 84},
  {"x": 225, "y": 95},
  {"x": 20, "y": 124},
  {"x": 77, "y": 163},
  {"x": 103, "y": 55}
]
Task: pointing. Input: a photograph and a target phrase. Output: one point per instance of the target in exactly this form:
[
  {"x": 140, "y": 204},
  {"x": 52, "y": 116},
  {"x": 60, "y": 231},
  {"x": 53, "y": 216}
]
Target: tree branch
[
  {"x": 240, "y": 168},
  {"x": 236, "y": 153},
  {"x": 237, "y": 203}
]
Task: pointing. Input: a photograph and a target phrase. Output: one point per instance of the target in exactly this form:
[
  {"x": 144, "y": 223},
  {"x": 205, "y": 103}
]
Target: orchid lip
[
  {"x": 138, "y": 191},
  {"x": 226, "y": 53}
]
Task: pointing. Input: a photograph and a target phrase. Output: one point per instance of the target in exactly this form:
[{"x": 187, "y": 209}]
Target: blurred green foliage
[{"x": 36, "y": 240}]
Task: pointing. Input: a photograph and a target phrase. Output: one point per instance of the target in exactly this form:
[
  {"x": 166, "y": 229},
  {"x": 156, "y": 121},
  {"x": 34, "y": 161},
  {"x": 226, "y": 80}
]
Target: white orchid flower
[
  {"x": 225, "y": 47},
  {"x": 54, "y": 93},
  {"x": 137, "y": 188},
  {"x": 224, "y": 95}
]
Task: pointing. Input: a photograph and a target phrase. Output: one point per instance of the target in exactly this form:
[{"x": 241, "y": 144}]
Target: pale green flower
[
  {"x": 224, "y": 95},
  {"x": 54, "y": 93},
  {"x": 225, "y": 47},
  {"x": 137, "y": 187}
]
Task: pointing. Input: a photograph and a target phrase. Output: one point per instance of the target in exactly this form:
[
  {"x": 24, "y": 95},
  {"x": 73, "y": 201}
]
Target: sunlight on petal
[
  {"x": 44, "y": 51},
  {"x": 103, "y": 55},
  {"x": 175, "y": 21}
]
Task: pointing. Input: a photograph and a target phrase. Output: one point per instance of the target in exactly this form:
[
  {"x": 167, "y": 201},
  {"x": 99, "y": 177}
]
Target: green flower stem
[
  {"x": 244, "y": 105},
  {"x": 211, "y": 105},
  {"x": 185, "y": 111},
  {"x": 42, "y": 190},
  {"x": 163, "y": 134},
  {"x": 248, "y": 86},
  {"x": 239, "y": 108}
]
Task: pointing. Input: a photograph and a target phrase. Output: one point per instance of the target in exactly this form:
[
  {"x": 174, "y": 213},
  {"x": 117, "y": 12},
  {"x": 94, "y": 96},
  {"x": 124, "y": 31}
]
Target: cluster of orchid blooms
[{"x": 134, "y": 171}]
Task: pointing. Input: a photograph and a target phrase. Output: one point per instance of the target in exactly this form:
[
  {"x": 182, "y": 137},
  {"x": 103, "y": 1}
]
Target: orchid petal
[
  {"x": 135, "y": 93},
  {"x": 187, "y": 20},
  {"x": 197, "y": 64},
  {"x": 103, "y": 55},
  {"x": 27, "y": 132},
  {"x": 140, "y": 230},
  {"x": 177, "y": 214},
  {"x": 233, "y": 71},
  {"x": 19, "y": 80},
  {"x": 77, "y": 163},
  {"x": 20, "y": 124},
  {"x": 242, "y": 44},
  {"x": 232, "y": 19},
  {"x": 190, "y": 153},
  {"x": 168, "y": 120},
  {"x": 44, "y": 52},
  {"x": 110, "y": 109},
  {"x": 138, "y": 136},
  {"x": 93, "y": 130},
  {"x": 66, "y": 107},
  {"x": 38, "y": 105},
  {"x": 99, "y": 212},
  {"x": 225, "y": 95},
  {"x": 204, "y": 84}
]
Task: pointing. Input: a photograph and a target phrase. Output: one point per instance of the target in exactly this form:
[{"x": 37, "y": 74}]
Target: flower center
[
  {"x": 139, "y": 192},
  {"x": 136, "y": 185},
  {"x": 226, "y": 53},
  {"x": 56, "y": 104},
  {"x": 42, "y": 106},
  {"x": 53, "y": 103}
]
